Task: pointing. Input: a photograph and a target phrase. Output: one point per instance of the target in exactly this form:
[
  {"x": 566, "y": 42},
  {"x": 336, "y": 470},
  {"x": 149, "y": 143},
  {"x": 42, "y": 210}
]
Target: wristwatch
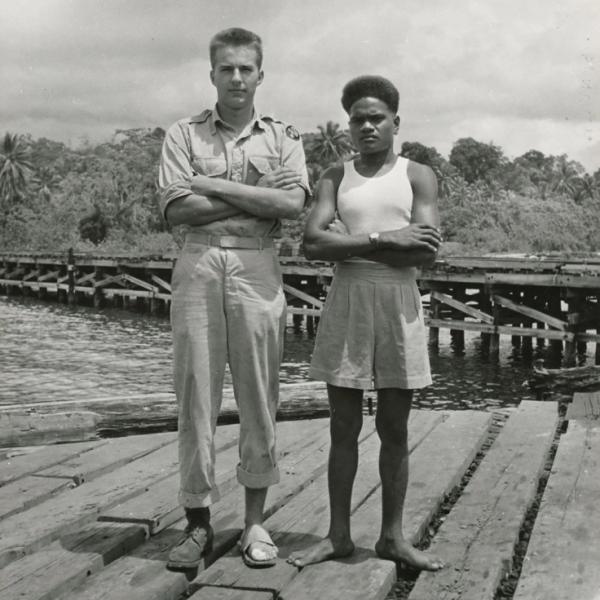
[{"x": 374, "y": 238}]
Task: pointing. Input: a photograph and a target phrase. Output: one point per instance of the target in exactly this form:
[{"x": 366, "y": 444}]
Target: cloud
[{"x": 524, "y": 74}]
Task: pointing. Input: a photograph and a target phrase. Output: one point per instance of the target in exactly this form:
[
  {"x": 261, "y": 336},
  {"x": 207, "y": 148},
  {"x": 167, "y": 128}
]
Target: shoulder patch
[{"x": 292, "y": 132}]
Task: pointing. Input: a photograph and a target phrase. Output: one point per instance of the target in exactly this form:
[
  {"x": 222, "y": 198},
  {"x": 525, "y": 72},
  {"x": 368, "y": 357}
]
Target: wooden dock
[
  {"x": 95, "y": 520},
  {"x": 554, "y": 299}
]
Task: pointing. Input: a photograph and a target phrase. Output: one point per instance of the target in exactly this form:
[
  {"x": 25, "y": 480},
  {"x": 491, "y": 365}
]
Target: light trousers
[{"x": 227, "y": 305}]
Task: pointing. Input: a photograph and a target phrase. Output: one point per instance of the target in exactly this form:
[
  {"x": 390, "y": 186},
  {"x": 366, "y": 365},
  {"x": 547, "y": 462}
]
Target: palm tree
[
  {"x": 331, "y": 144},
  {"x": 46, "y": 181},
  {"x": 565, "y": 176},
  {"x": 15, "y": 168}
]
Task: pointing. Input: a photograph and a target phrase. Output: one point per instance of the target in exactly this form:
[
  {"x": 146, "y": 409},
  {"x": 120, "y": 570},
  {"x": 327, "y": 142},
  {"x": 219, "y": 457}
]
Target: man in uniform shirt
[{"x": 228, "y": 175}]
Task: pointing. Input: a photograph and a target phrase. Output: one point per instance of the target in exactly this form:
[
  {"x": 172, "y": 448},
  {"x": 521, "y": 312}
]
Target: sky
[{"x": 522, "y": 74}]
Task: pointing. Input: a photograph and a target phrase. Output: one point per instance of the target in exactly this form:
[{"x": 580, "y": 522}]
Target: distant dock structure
[{"x": 551, "y": 298}]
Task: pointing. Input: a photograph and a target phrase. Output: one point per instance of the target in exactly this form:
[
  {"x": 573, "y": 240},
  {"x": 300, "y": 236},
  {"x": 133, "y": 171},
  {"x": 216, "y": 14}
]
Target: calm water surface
[{"x": 50, "y": 352}]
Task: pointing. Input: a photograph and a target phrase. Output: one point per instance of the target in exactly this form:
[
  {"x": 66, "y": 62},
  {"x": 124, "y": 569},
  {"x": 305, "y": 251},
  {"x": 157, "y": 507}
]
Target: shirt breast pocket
[
  {"x": 210, "y": 166},
  {"x": 259, "y": 166}
]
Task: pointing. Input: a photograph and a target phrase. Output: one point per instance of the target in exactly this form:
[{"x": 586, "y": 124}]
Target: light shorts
[{"x": 372, "y": 332}]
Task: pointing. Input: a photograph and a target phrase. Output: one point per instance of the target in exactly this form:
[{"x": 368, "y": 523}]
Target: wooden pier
[
  {"x": 547, "y": 298},
  {"x": 95, "y": 520}
]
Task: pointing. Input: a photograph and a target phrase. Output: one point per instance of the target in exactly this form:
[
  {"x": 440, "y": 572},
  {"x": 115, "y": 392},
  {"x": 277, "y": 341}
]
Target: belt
[{"x": 230, "y": 241}]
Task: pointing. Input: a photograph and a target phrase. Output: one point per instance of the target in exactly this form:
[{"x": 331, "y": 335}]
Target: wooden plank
[
  {"x": 303, "y": 295},
  {"x": 110, "y": 279},
  {"x": 532, "y": 313},
  {"x": 477, "y": 538},
  {"x": 29, "y": 491},
  {"x": 28, "y": 531},
  {"x": 143, "y": 412},
  {"x": 585, "y": 407},
  {"x": 111, "y": 455},
  {"x": 16, "y": 465},
  {"x": 139, "y": 282},
  {"x": 563, "y": 554},
  {"x": 557, "y": 280},
  {"x": 132, "y": 578},
  {"x": 502, "y": 329},
  {"x": 67, "y": 563},
  {"x": 364, "y": 575},
  {"x": 164, "y": 284},
  {"x": 215, "y": 593},
  {"x": 85, "y": 278},
  {"x": 19, "y": 428},
  {"x": 308, "y": 512},
  {"x": 158, "y": 507},
  {"x": 143, "y": 575},
  {"x": 462, "y": 307}
]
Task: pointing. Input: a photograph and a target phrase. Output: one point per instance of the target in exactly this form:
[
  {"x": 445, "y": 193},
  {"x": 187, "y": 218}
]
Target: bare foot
[
  {"x": 326, "y": 549},
  {"x": 404, "y": 552}
]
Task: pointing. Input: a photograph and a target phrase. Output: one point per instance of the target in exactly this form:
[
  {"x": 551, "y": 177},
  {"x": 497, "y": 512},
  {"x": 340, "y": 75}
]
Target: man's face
[
  {"x": 372, "y": 125},
  {"x": 236, "y": 75}
]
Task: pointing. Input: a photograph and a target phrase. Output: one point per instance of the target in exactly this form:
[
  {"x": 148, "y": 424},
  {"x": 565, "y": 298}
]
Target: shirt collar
[{"x": 215, "y": 118}]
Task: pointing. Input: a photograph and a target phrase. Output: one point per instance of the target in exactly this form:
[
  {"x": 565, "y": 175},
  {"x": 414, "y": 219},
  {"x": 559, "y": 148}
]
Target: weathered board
[
  {"x": 158, "y": 506},
  {"x": 22, "y": 429},
  {"x": 364, "y": 575},
  {"x": 304, "y": 520},
  {"x": 298, "y": 524},
  {"x": 34, "y": 459},
  {"x": 563, "y": 553},
  {"x": 28, "y": 531},
  {"x": 142, "y": 574},
  {"x": 66, "y": 563},
  {"x": 585, "y": 407},
  {"x": 28, "y": 491},
  {"x": 111, "y": 455},
  {"x": 478, "y": 536}
]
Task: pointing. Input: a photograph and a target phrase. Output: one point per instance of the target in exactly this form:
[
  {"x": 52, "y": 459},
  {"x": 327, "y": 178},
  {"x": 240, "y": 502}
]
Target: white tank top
[{"x": 379, "y": 203}]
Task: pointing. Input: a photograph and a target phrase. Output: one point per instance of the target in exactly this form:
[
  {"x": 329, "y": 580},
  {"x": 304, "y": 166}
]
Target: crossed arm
[
  {"x": 327, "y": 238},
  {"x": 276, "y": 195}
]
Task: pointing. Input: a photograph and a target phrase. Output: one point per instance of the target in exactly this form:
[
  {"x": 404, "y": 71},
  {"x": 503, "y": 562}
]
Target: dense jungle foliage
[{"x": 104, "y": 198}]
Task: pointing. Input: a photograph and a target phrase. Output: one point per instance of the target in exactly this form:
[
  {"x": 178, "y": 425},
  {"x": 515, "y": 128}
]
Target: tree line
[{"x": 104, "y": 197}]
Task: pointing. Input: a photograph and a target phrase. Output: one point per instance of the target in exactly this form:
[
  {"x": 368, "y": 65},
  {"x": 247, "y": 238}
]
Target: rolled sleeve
[
  {"x": 175, "y": 169},
  {"x": 292, "y": 156}
]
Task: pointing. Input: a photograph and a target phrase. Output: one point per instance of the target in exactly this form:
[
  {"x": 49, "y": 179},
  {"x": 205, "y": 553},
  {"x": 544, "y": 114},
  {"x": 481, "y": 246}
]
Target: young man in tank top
[{"x": 377, "y": 217}]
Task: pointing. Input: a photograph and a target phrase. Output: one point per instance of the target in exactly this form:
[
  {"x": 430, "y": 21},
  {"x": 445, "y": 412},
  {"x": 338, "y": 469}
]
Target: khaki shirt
[{"x": 206, "y": 145}]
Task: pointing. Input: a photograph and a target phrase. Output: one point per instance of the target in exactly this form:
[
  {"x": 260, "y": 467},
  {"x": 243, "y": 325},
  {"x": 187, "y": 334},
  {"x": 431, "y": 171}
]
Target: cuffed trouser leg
[
  {"x": 199, "y": 345},
  {"x": 255, "y": 316}
]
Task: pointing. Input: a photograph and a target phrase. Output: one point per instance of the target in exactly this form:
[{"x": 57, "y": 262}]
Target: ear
[
  {"x": 261, "y": 76},
  {"x": 212, "y": 77},
  {"x": 396, "y": 123}
]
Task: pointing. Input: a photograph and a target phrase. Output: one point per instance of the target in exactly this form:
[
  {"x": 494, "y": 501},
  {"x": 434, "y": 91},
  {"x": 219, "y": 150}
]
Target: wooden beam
[
  {"x": 502, "y": 329},
  {"x": 140, "y": 282},
  {"x": 31, "y": 275},
  {"x": 49, "y": 275},
  {"x": 15, "y": 273},
  {"x": 109, "y": 279},
  {"x": 302, "y": 295},
  {"x": 532, "y": 313},
  {"x": 309, "y": 312},
  {"x": 548, "y": 280},
  {"x": 88, "y": 277},
  {"x": 161, "y": 282},
  {"x": 462, "y": 307}
]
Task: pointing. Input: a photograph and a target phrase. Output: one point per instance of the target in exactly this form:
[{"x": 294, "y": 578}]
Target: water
[{"x": 51, "y": 352}]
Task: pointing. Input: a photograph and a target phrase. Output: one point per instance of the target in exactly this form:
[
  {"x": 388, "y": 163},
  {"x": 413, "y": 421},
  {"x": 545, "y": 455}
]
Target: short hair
[
  {"x": 372, "y": 86},
  {"x": 235, "y": 36}
]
